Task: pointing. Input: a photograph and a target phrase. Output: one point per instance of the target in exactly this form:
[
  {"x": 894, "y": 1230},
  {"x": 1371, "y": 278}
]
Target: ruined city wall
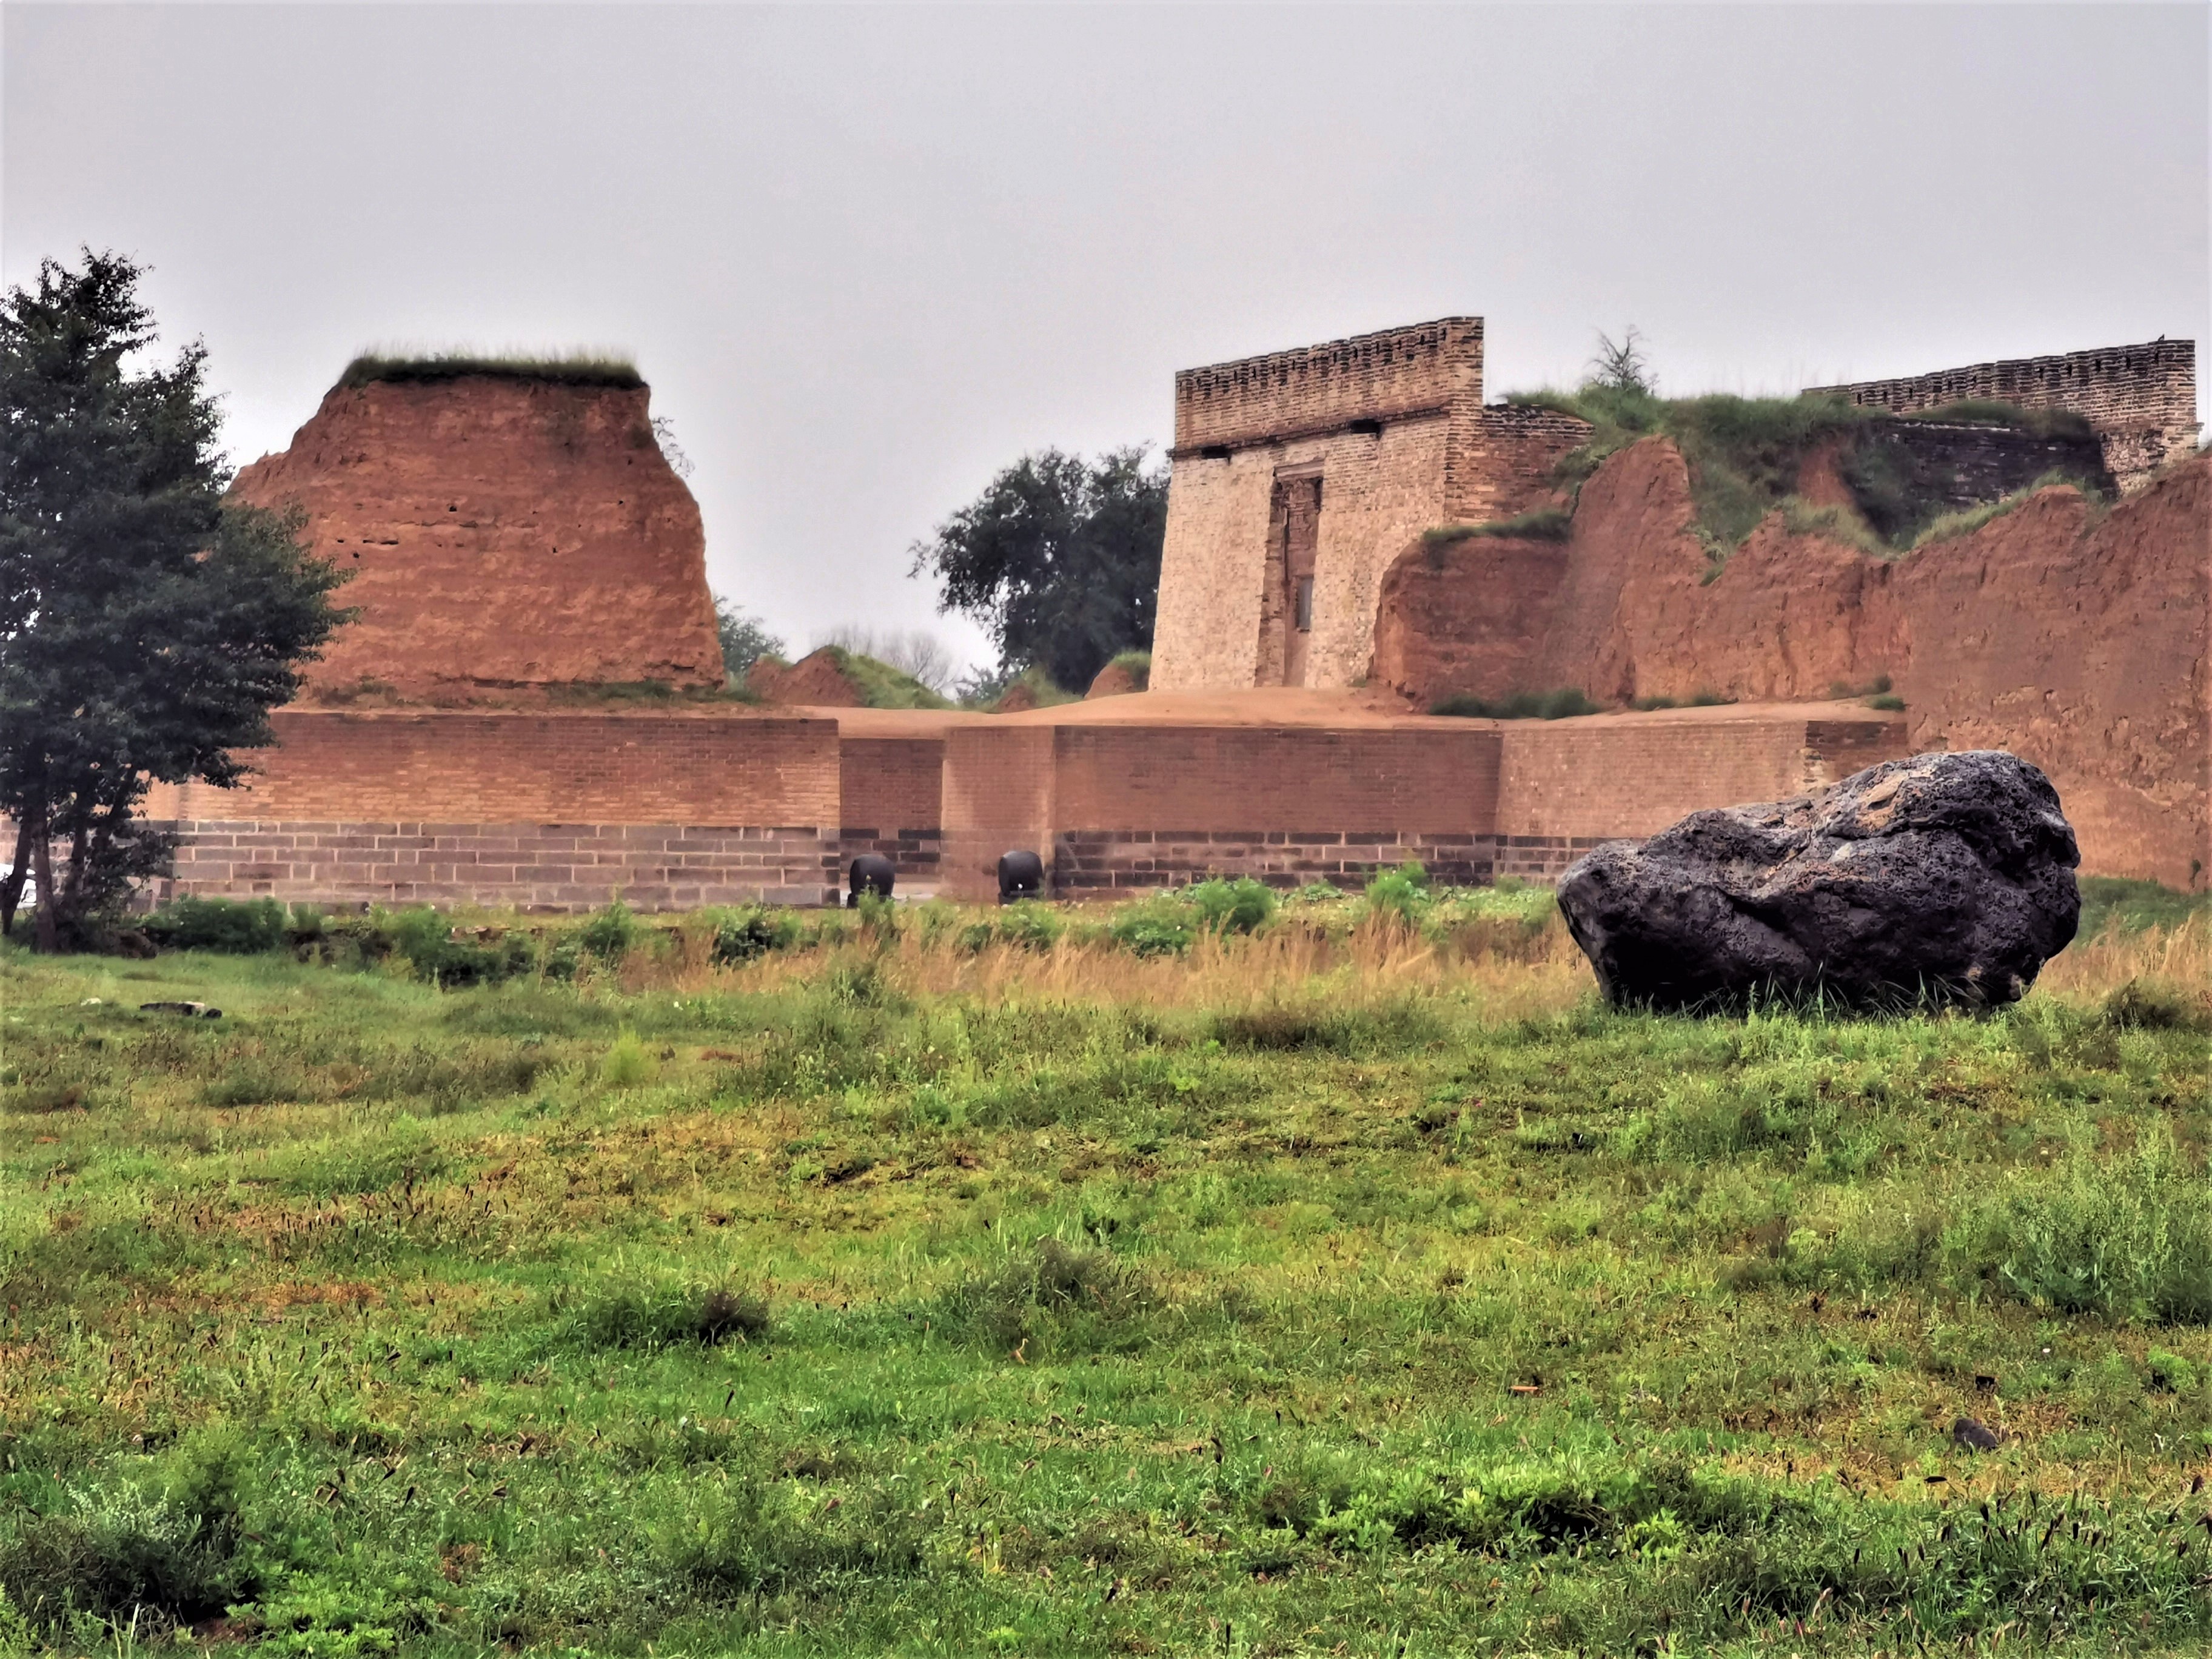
[
  {"x": 1630, "y": 775},
  {"x": 1315, "y": 390},
  {"x": 500, "y": 532},
  {"x": 996, "y": 798},
  {"x": 893, "y": 791},
  {"x": 505, "y": 768},
  {"x": 2142, "y": 400},
  {"x": 1517, "y": 449},
  {"x": 2072, "y": 635}
]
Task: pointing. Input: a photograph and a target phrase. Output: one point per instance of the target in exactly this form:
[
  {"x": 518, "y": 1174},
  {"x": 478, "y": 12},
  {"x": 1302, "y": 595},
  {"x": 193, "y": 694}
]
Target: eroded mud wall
[
  {"x": 2077, "y": 638},
  {"x": 502, "y": 533}
]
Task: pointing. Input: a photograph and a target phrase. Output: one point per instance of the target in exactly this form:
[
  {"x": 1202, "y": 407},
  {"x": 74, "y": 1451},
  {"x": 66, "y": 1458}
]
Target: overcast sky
[{"x": 868, "y": 256}]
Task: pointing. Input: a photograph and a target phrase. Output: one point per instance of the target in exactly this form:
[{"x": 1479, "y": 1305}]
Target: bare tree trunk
[
  {"x": 11, "y": 889},
  {"x": 42, "y": 850}
]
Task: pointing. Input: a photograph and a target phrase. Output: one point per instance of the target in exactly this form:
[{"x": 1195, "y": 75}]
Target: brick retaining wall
[
  {"x": 891, "y": 795},
  {"x": 535, "y": 866}
]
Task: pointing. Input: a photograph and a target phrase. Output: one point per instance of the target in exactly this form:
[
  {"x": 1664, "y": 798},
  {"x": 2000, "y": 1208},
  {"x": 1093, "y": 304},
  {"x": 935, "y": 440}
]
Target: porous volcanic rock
[
  {"x": 502, "y": 533},
  {"x": 1945, "y": 876}
]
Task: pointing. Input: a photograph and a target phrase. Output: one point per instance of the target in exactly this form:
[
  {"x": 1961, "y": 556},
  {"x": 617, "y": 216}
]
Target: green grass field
[{"x": 1352, "y": 1289}]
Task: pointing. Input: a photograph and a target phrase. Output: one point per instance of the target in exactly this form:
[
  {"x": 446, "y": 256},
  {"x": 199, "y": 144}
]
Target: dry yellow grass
[
  {"x": 2179, "y": 955},
  {"x": 1500, "y": 975}
]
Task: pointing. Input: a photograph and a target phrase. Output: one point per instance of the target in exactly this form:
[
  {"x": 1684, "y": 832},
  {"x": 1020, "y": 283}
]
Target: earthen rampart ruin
[
  {"x": 2073, "y": 636},
  {"x": 502, "y": 533},
  {"x": 516, "y": 538}
]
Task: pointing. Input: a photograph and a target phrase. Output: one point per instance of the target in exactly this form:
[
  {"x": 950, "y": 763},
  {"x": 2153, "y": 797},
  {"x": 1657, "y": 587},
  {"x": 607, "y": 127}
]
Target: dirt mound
[
  {"x": 817, "y": 680},
  {"x": 2072, "y": 636},
  {"x": 1113, "y": 681},
  {"x": 1018, "y": 698},
  {"x": 502, "y": 532},
  {"x": 1466, "y": 618}
]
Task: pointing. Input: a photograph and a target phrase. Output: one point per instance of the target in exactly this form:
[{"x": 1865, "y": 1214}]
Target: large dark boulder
[{"x": 1943, "y": 878}]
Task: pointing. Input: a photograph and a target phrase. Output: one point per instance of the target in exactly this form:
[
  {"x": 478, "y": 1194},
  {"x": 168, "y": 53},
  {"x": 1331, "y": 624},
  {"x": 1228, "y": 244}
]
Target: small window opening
[
  {"x": 1214, "y": 453},
  {"x": 1366, "y": 429},
  {"x": 1304, "y": 604}
]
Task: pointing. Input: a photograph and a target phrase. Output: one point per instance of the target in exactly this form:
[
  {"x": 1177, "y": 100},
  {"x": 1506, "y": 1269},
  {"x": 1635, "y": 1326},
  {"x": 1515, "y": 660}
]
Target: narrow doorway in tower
[{"x": 1287, "y": 611}]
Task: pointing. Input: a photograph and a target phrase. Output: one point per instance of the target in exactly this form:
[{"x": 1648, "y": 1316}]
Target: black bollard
[
  {"x": 872, "y": 872},
  {"x": 1021, "y": 876}
]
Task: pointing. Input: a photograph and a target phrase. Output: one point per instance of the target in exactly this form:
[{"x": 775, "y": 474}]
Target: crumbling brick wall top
[
  {"x": 1423, "y": 369},
  {"x": 2112, "y": 387}
]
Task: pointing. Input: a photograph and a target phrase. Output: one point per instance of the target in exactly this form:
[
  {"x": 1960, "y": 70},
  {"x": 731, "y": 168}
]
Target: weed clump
[
  {"x": 1168, "y": 923},
  {"x": 752, "y": 1538},
  {"x": 609, "y": 932},
  {"x": 1546, "y": 523},
  {"x": 1284, "y": 1028},
  {"x": 1400, "y": 896},
  {"x": 1562, "y": 704},
  {"x": 1052, "y": 1290},
  {"x": 628, "y": 1065},
  {"x": 748, "y": 934},
  {"x": 233, "y": 926},
  {"x": 569, "y": 368},
  {"x": 2129, "y": 1238},
  {"x": 169, "y": 1546},
  {"x": 669, "y": 1316}
]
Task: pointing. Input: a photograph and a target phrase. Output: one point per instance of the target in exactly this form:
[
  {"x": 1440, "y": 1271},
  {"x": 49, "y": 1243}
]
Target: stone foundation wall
[
  {"x": 532, "y": 866},
  {"x": 1545, "y": 858}
]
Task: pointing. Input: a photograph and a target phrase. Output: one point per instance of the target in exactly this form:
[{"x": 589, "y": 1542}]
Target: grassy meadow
[{"x": 963, "y": 1282}]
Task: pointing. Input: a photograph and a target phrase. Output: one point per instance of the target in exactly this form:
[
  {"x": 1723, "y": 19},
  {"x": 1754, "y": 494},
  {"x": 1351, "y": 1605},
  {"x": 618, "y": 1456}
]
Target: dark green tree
[
  {"x": 1059, "y": 560},
  {"x": 745, "y": 638},
  {"x": 146, "y": 627}
]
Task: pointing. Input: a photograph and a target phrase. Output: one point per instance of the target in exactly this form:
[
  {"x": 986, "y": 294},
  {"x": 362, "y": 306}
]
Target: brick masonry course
[{"x": 534, "y": 866}]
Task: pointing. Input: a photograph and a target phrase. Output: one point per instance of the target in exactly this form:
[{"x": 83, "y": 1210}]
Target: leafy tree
[
  {"x": 146, "y": 627},
  {"x": 1059, "y": 560},
  {"x": 745, "y": 639}
]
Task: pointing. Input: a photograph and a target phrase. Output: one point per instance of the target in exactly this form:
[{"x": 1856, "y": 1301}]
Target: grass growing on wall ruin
[
  {"x": 571, "y": 368},
  {"x": 1354, "y": 1281},
  {"x": 1745, "y": 456}
]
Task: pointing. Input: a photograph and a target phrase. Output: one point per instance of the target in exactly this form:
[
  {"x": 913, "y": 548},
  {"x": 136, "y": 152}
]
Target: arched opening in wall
[{"x": 1286, "y": 602}]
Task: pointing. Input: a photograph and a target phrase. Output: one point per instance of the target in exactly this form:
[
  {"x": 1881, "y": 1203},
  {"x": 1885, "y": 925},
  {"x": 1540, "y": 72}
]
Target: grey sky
[{"x": 865, "y": 257}]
